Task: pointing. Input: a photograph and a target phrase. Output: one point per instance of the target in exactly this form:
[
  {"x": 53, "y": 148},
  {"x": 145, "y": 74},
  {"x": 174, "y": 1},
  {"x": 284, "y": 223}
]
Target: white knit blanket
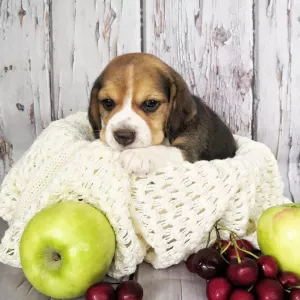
[{"x": 160, "y": 218}]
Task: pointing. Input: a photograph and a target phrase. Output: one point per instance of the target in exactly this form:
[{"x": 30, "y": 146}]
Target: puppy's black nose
[{"x": 124, "y": 137}]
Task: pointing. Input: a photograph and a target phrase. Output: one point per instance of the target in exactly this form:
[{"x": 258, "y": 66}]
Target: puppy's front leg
[{"x": 142, "y": 161}]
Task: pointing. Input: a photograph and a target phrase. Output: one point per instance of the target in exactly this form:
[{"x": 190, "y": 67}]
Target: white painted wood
[
  {"x": 210, "y": 43},
  {"x": 24, "y": 76},
  {"x": 277, "y": 98},
  {"x": 52, "y": 51},
  {"x": 294, "y": 152},
  {"x": 172, "y": 283},
  {"x": 6, "y": 160},
  {"x": 86, "y": 36}
]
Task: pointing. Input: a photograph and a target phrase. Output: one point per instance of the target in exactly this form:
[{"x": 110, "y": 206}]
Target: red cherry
[
  {"x": 269, "y": 289},
  {"x": 220, "y": 245},
  {"x": 242, "y": 244},
  {"x": 243, "y": 274},
  {"x": 189, "y": 263},
  {"x": 256, "y": 252},
  {"x": 240, "y": 294},
  {"x": 268, "y": 266},
  {"x": 295, "y": 295},
  {"x": 130, "y": 290},
  {"x": 232, "y": 253},
  {"x": 288, "y": 279},
  {"x": 246, "y": 245},
  {"x": 208, "y": 263},
  {"x": 101, "y": 291},
  {"x": 218, "y": 288}
]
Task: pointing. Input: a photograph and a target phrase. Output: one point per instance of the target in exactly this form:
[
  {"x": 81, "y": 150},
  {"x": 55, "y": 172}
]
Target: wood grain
[
  {"x": 86, "y": 36},
  {"x": 52, "y": 51},
  {"x": 277, "y": 81},
  {"x": 172, "y": 283},
  {"x": 294, "y": 93},
  {"x": 24, "y": 76},
  {"x": 6, "y": 160},
  {"x": 210, "y": 44}
]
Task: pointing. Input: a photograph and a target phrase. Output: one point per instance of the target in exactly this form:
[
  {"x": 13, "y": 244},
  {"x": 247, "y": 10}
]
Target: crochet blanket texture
[{"x": 160, "y": 218}]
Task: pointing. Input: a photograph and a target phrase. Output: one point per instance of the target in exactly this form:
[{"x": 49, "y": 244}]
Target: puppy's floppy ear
[
  {"x": 94, "y": 111},
  {"x": 182, "y": 107}
]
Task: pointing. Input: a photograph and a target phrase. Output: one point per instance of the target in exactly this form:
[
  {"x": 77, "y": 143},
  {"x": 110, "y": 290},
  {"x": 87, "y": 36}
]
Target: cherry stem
[
  {"x": 208, "y": 238},
  {"x": 250, "y": 288},
  {"x": 218, "y": 234},
  {"x": 232, "y": 233},
  {"x": 296, "y": 286},
  {"x": 216, "y": 223},
  {"x": 247, "y": 252},
  {"x": 235, "y": 248},
  {"x": 224, "y": 258},
  {"x": 225, "y": 248},
  {"x": 233, "y": 237},
  {"x": 210, "y": 232}
]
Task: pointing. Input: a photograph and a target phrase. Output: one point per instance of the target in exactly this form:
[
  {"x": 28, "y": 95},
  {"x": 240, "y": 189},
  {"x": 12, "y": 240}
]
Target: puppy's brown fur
[{"x": 181, "y": 117}]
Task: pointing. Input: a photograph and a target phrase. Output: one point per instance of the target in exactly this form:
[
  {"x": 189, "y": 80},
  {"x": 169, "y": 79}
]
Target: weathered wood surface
[
  {"x": 293, "y": 161},
  {"x": 51, "y": 52},
  {"x": 170, "y": 284},
  {"x": 6, "y": 160},
  {"x": 210, "y": 43},
  {"x": 24, "y": 75},
  {"x": 277, "y": 82},
  {"x": 86, "y": 36}
]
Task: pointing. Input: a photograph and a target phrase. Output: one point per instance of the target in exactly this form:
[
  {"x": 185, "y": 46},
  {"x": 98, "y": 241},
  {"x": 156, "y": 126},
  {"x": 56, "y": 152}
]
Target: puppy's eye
[
  {"x": 108, "y": 104},
  {"x": 150, "y": 105}
]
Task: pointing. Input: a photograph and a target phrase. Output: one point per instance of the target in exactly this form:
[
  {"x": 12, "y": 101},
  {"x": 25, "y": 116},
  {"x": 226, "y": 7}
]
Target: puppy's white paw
[
  {"x": 142, "y": 161},
  {"x": 136, "y": 161}
]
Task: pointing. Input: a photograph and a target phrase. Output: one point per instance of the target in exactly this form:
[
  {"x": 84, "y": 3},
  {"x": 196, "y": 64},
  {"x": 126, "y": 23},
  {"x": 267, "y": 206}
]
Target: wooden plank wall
[
  {"x": 276, "y": 115},
  {"x": 240, "y": 56}
]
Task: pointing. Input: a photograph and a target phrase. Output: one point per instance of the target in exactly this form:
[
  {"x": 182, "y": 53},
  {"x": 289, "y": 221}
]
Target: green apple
[
  {"x": 66, "y": 248},
  {"x": 278, "y": 234}
]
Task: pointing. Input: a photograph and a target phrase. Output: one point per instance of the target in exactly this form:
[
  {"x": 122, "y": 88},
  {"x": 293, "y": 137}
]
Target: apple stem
[{"x": 56, "y": 256}]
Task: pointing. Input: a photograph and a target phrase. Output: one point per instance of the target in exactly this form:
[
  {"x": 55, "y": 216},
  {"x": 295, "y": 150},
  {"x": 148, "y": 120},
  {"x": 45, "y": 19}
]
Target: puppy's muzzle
[{"x": 124, "y": 137}]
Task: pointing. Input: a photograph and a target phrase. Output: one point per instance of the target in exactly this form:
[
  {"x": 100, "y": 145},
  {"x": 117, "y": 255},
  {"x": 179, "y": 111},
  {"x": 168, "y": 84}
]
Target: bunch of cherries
[
  {"x": 234, "y": 270},
  {"x": 127, "y": 290}
]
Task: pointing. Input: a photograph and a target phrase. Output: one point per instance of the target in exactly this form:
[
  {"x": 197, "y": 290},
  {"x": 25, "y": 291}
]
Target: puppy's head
[{"x": 137, "y": 101}]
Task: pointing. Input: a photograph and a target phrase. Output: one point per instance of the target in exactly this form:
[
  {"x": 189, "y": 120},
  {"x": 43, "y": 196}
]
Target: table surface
[{"x": 174, "y": 283}]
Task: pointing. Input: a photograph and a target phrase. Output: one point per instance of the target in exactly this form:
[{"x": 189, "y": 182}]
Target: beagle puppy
[{"x": 143, "y": 108}]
